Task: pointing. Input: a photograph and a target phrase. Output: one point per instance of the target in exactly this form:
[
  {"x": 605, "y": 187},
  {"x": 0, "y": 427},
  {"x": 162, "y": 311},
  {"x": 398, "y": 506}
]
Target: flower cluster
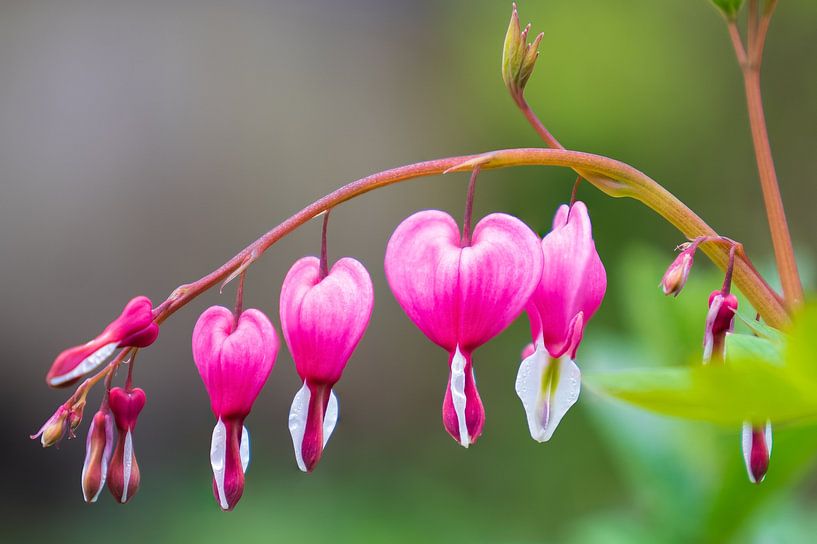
[
  {"x": 756, "y": 439},
  {"x": 460, "y": 289}
]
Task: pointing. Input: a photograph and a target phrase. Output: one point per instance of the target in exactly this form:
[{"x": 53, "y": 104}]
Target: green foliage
[
  {"x": 686, "y": 481},
  {"x": 763, "y": 378},
  {"x": 729, "y": 8}
]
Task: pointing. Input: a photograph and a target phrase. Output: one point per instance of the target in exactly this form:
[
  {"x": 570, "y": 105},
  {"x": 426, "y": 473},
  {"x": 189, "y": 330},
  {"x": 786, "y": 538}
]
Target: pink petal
[
  {"x": 324, "y": 319},
  {"x": 462, "y": 296},
  {"x": 234, "y": 363},
  {"x": 573, "y": 279},
  {"x": 133, "y": 328}
]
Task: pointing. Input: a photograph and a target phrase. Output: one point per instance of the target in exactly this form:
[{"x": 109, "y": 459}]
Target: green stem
[{"x": 608, "y": 175}]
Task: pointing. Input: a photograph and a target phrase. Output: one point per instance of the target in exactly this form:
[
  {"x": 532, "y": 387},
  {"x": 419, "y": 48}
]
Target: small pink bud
[
  {"x": 64, "y": 421},
  {"x": 98, "y": 451},
  {"x": 757, "y": 449},
  {"x": 570, "y": 291},
  {"x": 719, "y": 320},
  {"x": 53, "y": 430},
  {"x": 323, "y": 320},
  {"x": 133, "y": 328},
  {"x": 234, "y": 361},
  {"x": 461, "y": 297},
  {"x": 676, "y": 275},
  {"x": 123, "y": 473}
]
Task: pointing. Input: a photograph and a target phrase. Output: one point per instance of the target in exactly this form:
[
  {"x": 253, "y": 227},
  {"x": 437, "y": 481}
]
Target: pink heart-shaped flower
[{"x": 462, "y": 295}]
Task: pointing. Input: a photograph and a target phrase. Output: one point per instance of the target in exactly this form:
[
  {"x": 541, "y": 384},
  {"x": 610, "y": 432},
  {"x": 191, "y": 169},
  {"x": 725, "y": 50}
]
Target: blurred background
[{"x": 144, "y": 143}]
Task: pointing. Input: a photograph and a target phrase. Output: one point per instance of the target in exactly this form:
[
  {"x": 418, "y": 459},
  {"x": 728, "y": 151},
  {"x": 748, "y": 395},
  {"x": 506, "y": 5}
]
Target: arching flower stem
[{"x": 610, "y": 176}]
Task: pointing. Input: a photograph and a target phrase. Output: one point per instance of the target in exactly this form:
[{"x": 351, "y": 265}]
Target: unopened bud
[
  {"x": 518, "y": 56},
  {"x": 757, "y": 450},
  {"x": 65, "y": 420},
  {"x": 719, "y": 320},
  {"x": 53, "y": 430},
  {"x": 123, "y": 474},
  {"x": 676, "y": 275},
  {"x": 98, "y": 450}
]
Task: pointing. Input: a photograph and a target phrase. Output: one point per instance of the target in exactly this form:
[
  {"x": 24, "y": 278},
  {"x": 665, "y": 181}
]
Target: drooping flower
[
  {"x": 133, "y": 328},
  {"x": 98, "y": 451},
  {"x": 677, "y": 273},
  {"x": 571, "y": 289},
  {"x": 720, "y": 319},
  {"x": 123, "y": 473},
  {"x": 757, "y": 450},
  {"x": 323, "y": 319},
  {"x": 234, "y": 361},
  {"x": 756, "y": 440},
  {"x": 462, "y": 295}
]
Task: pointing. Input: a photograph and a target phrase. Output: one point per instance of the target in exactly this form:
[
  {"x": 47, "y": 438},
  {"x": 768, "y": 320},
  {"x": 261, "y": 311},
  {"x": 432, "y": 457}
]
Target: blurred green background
[{"x": 144, "y": 143}]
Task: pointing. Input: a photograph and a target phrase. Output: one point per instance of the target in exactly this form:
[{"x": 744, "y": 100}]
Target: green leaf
[
  {"x": 729, "y": 8},
  {"x": 727, "y": 395},
  {"x": 762, "y": 379},
  {"x": 742, "y": 347},
  {"x": 761, "y": 329}
]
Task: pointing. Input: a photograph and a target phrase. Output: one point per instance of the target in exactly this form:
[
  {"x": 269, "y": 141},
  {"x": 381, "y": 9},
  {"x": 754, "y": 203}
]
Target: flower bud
[
  {"x": 53, "y": 430},
  {"x": 757, "y": 449},
  {"x": 65, "y": 420},
  {"x": 133, "y": 328},
  {"x": 676, "y": 275},
  {"x": 98, "y": 450},
  {"x": 719, "y": 320},
  {"x": 123, "y": 474},
  {"x": 518, "y": 56}
]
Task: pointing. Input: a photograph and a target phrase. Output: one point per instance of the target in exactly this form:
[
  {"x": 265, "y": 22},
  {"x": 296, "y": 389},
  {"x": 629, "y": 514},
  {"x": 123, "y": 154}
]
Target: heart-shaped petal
[
  {"x": 462, "y": 296},
  {"x": 234, "y": 360},
  {"x": 323, "y": 319},
  {"x": 573, "y": 281}
]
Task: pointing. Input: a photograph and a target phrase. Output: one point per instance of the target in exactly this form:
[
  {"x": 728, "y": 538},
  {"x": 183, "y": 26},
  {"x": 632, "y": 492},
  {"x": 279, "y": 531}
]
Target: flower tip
[
  {"x": 757, "y": 450},
  {"x": 677, "y": 273},
  {"x": 312, "y": 419},
  {"x": 463, "y": 412}
]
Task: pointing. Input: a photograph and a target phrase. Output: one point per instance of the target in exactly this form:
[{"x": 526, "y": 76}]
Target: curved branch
[{"x": 613, "y": 177}]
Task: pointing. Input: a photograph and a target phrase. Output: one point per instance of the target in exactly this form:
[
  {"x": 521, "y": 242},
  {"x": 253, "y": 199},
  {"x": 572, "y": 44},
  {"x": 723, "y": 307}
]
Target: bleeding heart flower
[
  {"x": 677, "y": 273},
  {"x": 323, "y": 319},
  {"x": 720, "y": 319},
  {"x": 461, "y": 297},
  {"x": 133, "y": 328},
  {"x": 570, "y": 291},
  {"x": 757, "y": 449},
  {"x": 98, "y": 451},
  {"x": 123, "y": 473},
  {"x": 234, "y": 361}
]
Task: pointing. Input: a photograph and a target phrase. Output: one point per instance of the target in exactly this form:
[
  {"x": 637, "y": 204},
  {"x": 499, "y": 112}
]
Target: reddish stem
[
  {"x": 239, "y": 297},
  {"x": 758, "y": 25},
  {"x": 469, "y": 207},
  {"x": 324, "y": 264},
  {"x": 608, "y": 175}
]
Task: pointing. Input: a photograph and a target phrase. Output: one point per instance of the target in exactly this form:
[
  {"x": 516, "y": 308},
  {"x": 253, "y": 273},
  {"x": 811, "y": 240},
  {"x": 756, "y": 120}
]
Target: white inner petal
[
  {"x": 87, "y": 365},
  {"x": 709, "y": 337},
  {"x": 88, "y": 462},
  {"x": 298, "y": 413},
  {"x": 127, "y": 465},
  {"x": 458, "y": 395},
  {"x": 529, "y": 390},
  {"x": 218, "y": 455},
  {"x": 746, "y": 445},
  {"x": 547, "y": 388},
  {"x": 330, "y": 418},
  {"x": 769, "y": 437},
  {"x": 297, "y": 422},
  {"x": 245, "y": 449}
]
